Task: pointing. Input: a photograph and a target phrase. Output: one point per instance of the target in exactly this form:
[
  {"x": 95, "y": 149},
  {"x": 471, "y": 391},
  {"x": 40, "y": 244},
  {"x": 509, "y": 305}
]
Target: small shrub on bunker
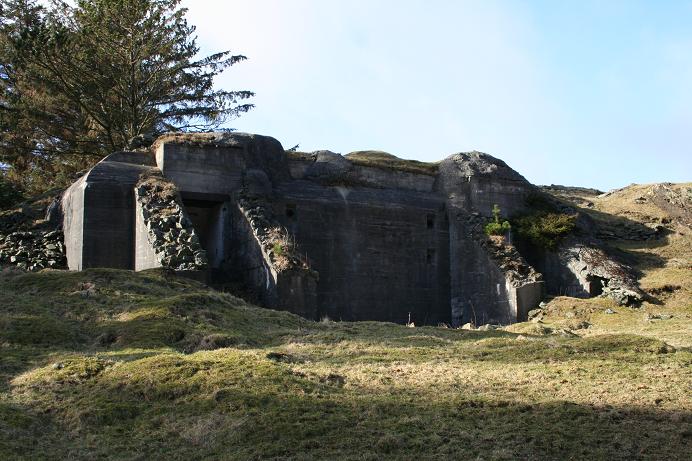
[
  {"x": 544, "y": 229},
  {"x": 497, "y": 227}
]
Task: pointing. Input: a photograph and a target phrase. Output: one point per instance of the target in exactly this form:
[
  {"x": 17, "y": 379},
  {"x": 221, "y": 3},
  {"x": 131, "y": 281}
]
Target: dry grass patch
[{"x": 288, "y": 388}]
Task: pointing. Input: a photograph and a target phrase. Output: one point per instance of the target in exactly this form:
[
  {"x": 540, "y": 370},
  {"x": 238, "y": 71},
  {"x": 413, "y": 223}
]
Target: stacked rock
[
  {"x": 33, "y": 250},
  {"x": 271, "y": 235},
  {"x": 170, "y": 231}
]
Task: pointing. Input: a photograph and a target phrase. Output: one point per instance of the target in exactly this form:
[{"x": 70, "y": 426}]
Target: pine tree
[{"x": 82, "y": 81}]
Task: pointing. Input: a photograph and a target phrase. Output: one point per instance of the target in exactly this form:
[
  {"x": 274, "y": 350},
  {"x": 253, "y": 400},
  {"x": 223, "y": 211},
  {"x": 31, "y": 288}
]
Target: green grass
[
  {"x": 298, "y": 155},
  {"x": 108, "y": 364},
  {"x": 383, "y": 160}
]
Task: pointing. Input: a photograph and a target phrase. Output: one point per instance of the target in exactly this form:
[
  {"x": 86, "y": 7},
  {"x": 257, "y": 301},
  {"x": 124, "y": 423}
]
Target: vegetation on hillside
[
  {"x": 112, "y": 364},
  {"x": 119, "y": 365},
  {"x": 79, "y": 80},
  {"x": 544, "y": 225}
]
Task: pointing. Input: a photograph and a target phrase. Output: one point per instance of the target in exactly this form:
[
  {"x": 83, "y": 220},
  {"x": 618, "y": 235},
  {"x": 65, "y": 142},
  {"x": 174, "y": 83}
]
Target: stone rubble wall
[
  {"x": 269, "y": 233},
  {"x": 33, "y": 250},
  {"x": 290, "y": 283},
  {"x": 170, "y": 233}
]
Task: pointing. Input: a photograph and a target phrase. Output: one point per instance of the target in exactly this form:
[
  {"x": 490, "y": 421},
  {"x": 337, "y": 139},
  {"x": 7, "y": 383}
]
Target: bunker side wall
[
  {"x": 247, "y": 263},
  {"x": 145, "y": 255},
  {"x": 73, "y": 223},
  {"x": 479, "y": 290}
]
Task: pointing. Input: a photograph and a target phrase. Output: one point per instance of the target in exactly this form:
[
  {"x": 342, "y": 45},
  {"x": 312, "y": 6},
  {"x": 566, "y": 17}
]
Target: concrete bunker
[{"x": 389, "y": 240}]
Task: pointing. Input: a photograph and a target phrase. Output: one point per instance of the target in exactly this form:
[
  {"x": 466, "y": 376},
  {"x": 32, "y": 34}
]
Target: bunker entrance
[
  {"x": 596, "y": 285},
  {"x": 209, "y": 220}
]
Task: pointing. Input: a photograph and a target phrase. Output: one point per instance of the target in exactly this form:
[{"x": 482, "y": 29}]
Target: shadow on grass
[
  {"x": 277, "y": 415},
  {"x": 638, "y": 260},
  {"x": 27, "y": 433},
  {"x": 624, "y": 228}
]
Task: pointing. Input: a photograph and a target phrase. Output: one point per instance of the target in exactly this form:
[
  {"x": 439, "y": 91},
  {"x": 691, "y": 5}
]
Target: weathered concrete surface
[
  {"x": 524, "y": 298},
  {"x": 73, "y": 223},
  {"x": 329, "y": 168},
  {"x": 381, "y": 254},
  {"x": 214, "y": 163},
  {"x": 99, "y": 213},
  {"x": 479, "y": 290},
  {"x": 491, "y": 282}
]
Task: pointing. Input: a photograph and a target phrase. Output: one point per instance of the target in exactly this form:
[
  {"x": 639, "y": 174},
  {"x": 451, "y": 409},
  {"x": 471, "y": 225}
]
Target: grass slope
[{"x": 109, "y": 364}]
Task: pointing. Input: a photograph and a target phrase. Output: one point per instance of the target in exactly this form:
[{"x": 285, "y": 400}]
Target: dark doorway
[{"x": 209, "y": 220}]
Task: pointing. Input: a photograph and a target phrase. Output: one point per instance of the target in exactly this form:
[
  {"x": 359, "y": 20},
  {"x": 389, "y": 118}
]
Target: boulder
[{"x": 329, "y": 166}]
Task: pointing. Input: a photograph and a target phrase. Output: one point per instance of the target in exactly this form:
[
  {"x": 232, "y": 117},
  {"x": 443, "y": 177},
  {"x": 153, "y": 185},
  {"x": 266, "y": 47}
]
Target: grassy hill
[{"x": 108, "y": 364}]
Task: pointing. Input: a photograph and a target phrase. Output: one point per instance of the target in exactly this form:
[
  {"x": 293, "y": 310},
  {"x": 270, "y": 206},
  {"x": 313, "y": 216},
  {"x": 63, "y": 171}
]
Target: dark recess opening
[
  {"x": 290, "y": 210},
  {"x": 206, "y": 216},
  {"x": 430, "y": 256},
  {"x": 596, "y": 285},
  {"x": 431, "y": 221}
]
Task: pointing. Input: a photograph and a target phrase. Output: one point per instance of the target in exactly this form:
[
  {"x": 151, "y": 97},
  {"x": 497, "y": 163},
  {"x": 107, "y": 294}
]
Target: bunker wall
[
  {"x": 480, "y": 293},
  {"x": 203, "y": 170},
  {"x": 380, "y": 254}
]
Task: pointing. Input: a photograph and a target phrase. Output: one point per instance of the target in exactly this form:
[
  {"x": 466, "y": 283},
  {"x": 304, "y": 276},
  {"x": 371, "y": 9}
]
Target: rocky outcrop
[
  {"x": 676, "y": 203},
  {"x": 33, "y": 250},
  {"x": 629, "y": 230},
  {"x": 600, "y": 275},
  {"x": 170, "y": 232},
  {"x": 478, "y": 164}
]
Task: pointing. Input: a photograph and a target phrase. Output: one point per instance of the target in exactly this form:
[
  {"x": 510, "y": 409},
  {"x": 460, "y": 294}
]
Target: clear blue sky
[{"x": 582, "y": 93}]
